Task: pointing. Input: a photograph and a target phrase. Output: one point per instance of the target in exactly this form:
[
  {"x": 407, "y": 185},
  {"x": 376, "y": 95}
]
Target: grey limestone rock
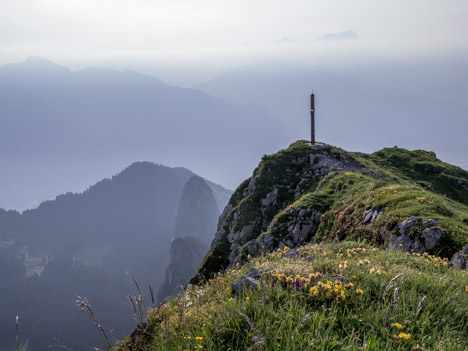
[
  {"x": 293, "y": 253},
  {"x": 431, "y": 237},
  {"x": 254, "y": 273},
  {"x": 270, "y": 198},
  {"x": 430, "y": 223},
  {"x": 252, "y": 186},
  {"x": 460, "y": 259},
  {"x": 406, "y": 225},
  {"x": 303, "y": 226},
  {"x": 400, "y": 242},
  {"x": 416, "y": 235},
  {"x": 243, "y": 283},
  {"x": 371, "y": 215}
]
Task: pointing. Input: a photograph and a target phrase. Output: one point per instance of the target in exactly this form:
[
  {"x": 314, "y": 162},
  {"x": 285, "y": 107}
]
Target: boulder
[
  {"x": 242, "y": 284},
  {"x": 416, "y": 235},
  {"x": 371, "y": 215},
  {"x": 293, "y": 253},
  {"x": 254, "y": 273},
  {"x": 460, "y": 259},
  {"x": 270, "y": 198},
  {"x": 431, "y": 237}
]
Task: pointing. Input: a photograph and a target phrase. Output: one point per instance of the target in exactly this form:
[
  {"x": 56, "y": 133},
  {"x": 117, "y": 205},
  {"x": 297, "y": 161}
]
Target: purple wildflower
[{"x": 297, "y": 285}]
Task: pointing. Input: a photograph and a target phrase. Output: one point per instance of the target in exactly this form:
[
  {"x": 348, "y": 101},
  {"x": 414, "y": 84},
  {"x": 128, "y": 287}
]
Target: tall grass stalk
[{"x": 84, "y": 305}]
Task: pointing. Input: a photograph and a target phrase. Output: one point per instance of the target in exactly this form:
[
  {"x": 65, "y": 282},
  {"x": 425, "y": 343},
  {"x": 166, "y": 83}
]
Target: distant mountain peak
[
  {"x": 285, "y": 40},
  {"x": 40, "y": 60},
  {"x": 346, "y": 35},
  {"x": 35, "y": 66}
]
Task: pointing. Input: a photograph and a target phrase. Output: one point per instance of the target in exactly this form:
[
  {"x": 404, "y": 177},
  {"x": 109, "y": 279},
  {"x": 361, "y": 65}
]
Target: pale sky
[{"x": 102, "y": 29}]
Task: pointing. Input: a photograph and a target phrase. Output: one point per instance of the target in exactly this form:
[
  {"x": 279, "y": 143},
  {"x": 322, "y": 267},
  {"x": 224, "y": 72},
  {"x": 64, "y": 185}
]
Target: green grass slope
[{"x": 393, "y": 301}]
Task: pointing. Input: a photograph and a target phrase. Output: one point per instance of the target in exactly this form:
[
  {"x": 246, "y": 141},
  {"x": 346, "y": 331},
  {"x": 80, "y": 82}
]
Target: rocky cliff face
[
  {"x": 186, "y": 255},
  {"x": 198, "y": 211},
  {"x": 321, "y": 192}
]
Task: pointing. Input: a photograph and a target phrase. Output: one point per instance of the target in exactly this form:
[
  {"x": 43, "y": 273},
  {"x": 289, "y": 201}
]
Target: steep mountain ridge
[{"x": 321, "y": 192}]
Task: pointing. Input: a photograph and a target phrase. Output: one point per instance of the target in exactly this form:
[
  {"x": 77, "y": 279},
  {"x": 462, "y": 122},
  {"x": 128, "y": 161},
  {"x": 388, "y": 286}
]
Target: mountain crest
[{"x": 322, "y": 192}]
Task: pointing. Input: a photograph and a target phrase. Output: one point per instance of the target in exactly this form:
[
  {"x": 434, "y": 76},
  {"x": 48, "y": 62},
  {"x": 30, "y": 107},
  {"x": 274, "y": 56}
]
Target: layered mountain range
[
  {"x": 99, "y": 244},
  {"x": 56, "y": 123}
]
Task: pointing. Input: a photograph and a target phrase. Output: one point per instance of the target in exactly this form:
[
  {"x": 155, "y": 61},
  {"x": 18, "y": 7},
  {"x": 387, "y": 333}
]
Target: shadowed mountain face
[
  {"x": 350, "y": 112},
  {"x": 57, "y": 124},
  {"x": 92, "y": 244},
  {"x": 195, "y": 226},
  {"x": 186, "y": 255},
  {"x": 198, "y": 212}
]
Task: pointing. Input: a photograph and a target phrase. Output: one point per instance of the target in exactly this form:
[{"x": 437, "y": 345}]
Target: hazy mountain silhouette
[
  {"x": 55, "y": 122},
  {"x": 346, "y": 35},
  {"x": 198, "y": 212},
  {"x": 92, "y": 244},
  {"x": 351, "y": 113},
  {"x": 138, "y": 204}
]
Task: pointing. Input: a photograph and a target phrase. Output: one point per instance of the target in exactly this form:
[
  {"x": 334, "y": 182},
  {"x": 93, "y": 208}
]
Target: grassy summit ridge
[{"x": 339, "y": 186}]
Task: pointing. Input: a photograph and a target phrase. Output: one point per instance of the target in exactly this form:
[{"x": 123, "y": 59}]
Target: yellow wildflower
[
  {"x": 247, "y": 298},
  {"x": 199, "y": 338},
  {"x": 359, "y": 292},
  {"x": 397, "y": 325},
  {"x": 403, "y": 337}
]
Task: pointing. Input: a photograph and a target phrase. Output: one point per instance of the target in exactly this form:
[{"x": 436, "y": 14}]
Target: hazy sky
[{"x": 94, "y": 30}]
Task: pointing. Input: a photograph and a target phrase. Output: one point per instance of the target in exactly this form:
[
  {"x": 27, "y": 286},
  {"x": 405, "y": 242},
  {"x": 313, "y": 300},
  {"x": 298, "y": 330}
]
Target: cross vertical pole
[{"x": 312, "y": 119}]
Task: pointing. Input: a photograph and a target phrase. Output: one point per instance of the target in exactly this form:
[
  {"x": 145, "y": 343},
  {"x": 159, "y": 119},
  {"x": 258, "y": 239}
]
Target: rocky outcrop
[
  {"x": 371, "y": 215},
  {"x": 248, "y": 281},
  {"x": 186, "y": 255},
  {"x": 300, "y": 224},
  {"x": 416, "y": 235},
  {"x": 460, "y": 259},
  {"x": 261, "y": 216},
  {"x": 198, "y": 212}
]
